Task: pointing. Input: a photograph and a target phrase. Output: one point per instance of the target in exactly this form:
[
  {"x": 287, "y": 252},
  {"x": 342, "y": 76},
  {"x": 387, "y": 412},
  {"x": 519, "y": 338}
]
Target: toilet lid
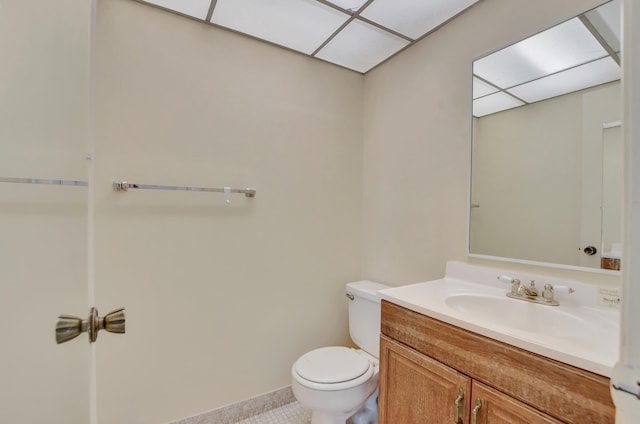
[{"x": 331, "y": 365}]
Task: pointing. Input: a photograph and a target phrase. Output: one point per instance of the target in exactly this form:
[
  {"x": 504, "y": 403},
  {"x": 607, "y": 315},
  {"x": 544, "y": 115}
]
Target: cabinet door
[
  {"x": 416, "y": 389},
  {"x": 497, "y": 408}
]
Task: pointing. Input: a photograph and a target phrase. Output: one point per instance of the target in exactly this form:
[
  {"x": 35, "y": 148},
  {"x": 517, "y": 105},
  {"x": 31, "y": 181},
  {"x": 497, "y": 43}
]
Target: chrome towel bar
[
  {"x": 43, "y": 181},
  {"x": 125, "y": 186}
]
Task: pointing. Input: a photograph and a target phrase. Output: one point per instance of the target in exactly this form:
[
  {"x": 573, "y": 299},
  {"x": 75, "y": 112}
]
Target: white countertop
[{"x": 578, "y": 332}]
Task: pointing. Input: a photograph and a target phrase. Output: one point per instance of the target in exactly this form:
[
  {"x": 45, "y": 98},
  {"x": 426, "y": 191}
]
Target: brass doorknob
[{"x": 69, "y": 327}]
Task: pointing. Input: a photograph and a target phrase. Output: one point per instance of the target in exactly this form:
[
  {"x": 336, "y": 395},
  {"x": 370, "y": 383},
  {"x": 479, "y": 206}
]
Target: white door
[
  {"x": 43, "y": 227},
  {"x": 601, "y": 110},
  {"x": 612, "y": 186}
]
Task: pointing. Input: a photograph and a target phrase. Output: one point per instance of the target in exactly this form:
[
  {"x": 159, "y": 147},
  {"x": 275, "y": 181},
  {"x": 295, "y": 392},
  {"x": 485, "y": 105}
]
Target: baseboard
[{"x": 242, "y": 410}]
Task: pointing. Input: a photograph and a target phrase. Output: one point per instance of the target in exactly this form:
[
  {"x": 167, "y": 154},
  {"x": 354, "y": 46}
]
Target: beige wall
[
  {"x": 417, "y": 141},
  {"x": 221, "y": 299}
]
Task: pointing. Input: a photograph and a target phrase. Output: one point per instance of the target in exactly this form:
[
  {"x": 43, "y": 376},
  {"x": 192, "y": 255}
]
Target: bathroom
[{"x": 356, "y": 177}]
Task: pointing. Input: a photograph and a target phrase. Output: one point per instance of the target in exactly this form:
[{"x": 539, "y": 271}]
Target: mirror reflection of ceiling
[
  {"x": 577, "y": 54},
  {"x": 355, "y": 34}
]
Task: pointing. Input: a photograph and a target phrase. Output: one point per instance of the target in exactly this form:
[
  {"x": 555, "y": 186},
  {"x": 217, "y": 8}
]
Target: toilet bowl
[{"x": 336, "y": 381}]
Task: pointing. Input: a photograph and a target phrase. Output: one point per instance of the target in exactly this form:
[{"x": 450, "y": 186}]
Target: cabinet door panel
[
  {"x": 498, "y": 408},
  {"x": 416, "y": 389}
]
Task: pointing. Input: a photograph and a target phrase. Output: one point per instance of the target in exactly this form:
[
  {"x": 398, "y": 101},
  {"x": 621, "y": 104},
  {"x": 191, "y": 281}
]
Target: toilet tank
[{"x": 364, "y": 315}]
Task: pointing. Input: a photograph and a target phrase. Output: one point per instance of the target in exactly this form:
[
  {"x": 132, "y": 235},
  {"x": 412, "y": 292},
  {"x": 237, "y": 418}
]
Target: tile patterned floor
[{"x": 292, "y": 413}]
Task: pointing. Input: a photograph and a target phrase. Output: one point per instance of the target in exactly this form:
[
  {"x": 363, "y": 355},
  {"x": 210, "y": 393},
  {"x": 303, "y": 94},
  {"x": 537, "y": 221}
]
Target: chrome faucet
[{"x": 530, "y": 293}]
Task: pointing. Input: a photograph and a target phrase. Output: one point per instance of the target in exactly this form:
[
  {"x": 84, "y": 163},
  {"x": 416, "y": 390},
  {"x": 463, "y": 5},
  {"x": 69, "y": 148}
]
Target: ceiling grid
[
  {"x": 354, "y": 34},
  {"x": 361, "y": 34}
]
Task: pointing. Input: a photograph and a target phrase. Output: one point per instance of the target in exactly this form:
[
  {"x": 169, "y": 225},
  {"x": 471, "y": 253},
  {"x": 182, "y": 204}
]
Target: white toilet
[{"x": 335, "y": 382}]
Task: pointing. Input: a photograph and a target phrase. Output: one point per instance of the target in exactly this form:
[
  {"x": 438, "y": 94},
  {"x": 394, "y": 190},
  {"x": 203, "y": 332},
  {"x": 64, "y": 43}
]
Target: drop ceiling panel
[
  {"x": 607, "y": 20},
  {"x": 414, "y": 18},
  {"x": 352, "y": 5},
  {"x": 196, "y": 8},
  {"x": 361, "y": 46},
  {"x": 561, "y": 47},
  {"x": 594, "y": 73},
  {"x": 301, "y": 25},
  {"x": 494, "y": 103},
  {"x": 481, "y": 88}
]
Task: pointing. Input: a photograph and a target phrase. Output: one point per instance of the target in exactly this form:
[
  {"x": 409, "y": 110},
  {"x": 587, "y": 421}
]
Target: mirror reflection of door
[
  {"x": 43, "y": 227},
  {"x": 600, "y": 108},
  {"x": 612, "y": 184}
]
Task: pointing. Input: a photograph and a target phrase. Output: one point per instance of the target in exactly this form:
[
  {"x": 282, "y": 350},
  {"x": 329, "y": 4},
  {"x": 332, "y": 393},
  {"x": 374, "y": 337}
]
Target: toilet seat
[{"x": 333, "y": 368}]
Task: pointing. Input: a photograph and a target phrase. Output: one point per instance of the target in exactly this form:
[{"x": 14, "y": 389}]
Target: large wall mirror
[{"x": 546, "y": 168}]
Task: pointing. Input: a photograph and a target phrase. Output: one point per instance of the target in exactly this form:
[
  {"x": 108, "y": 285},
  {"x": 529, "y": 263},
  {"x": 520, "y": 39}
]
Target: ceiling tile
[
  {"x": 196, "y": 8},
  {"x": 494, "y": 103},
  {"x": 607, "y": 19},
  {"x": 352, "y": 5},
  {"x": 301, "y": 25},
  {"x": 414, "y": 18},
  {"x": 481, "y": 88},
  {"x": 563, "y": 46},
  {"x": 594, "y": 73},
  {"x": 360, "y": 46}
]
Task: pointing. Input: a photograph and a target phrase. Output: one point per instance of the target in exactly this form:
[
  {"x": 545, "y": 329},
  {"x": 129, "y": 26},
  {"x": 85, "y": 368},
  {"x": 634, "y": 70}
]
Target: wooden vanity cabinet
[
  {"x": 425, "y": 362},
  {"x": 417, "y": 389}
]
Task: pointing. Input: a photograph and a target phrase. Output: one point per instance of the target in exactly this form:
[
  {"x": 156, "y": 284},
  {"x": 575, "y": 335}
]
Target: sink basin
[{"x": 517, "y": 314}]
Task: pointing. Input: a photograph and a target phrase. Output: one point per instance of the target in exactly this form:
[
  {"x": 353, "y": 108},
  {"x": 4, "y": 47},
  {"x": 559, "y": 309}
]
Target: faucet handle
[
  {"x": 563, "y": 289},
  {"x": 505, "y": 279},
  {"x": 547, "y": 293},
  {"x": 515, "y": 283}
]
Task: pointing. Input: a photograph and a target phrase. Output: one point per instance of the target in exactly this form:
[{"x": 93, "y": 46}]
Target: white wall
[
  {"x": 417, "y": 141},
  {"x": 627, "y": 371},
  {"x": 221, "y": 299}
]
